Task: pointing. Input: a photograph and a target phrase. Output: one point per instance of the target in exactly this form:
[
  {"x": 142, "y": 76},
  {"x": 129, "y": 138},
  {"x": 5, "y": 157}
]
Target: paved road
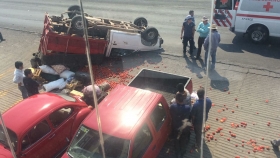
[{"x": 165, "y": 15}]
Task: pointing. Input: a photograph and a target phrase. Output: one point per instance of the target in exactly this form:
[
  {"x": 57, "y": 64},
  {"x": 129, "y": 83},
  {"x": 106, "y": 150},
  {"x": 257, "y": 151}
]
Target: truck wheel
[
  {"x": 258, "y": 34},
  {"x": 140, "y": 21},
  {"x": 150, "y": 34},
  {"x": 73, "y": 8},
  {"x": 77, "y": 23}
]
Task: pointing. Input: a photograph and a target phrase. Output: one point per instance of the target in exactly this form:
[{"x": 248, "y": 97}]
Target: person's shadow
[
  {"x": 217, "y": 81},
  {"x": 193, "y": 66}
]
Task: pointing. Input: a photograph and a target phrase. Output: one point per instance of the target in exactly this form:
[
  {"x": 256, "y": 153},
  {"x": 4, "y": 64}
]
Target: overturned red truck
[{"x": 62, "y": 39}]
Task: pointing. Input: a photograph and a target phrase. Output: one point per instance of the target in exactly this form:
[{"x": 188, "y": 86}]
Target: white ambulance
[{"x": 257, "y": 18}]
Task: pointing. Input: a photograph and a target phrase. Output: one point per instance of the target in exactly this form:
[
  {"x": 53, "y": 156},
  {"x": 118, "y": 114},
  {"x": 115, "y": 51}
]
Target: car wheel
[
  {"x": 140, "y": 21},
  {"x": 258, "y": 34},
  {"x": 72, "y": 9},
  {"x": 77, "y": 23},
  {"x": 150, "y": 34}
]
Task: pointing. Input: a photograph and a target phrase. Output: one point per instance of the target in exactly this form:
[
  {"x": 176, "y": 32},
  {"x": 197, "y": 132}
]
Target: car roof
[
  {"x": 122, "y": 110},
  {"x": 32, "y": 109}
]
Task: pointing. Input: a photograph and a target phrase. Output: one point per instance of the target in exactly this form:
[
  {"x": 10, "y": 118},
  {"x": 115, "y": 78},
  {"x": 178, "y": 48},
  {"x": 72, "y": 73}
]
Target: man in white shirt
[{"x": 18, "y": 78}]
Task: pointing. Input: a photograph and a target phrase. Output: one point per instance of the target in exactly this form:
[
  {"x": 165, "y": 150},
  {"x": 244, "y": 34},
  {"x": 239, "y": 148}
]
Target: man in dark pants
[
  {"x": 203, "y": 31},
  {"x": 181, "y": 132},
  {"x": 197, "y": 115},
  {"x": 188, "y": 28},
  {"x": 30, "y": 84}
]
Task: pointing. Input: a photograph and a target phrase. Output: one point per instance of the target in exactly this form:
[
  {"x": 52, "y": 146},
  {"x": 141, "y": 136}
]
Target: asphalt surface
[{"x": 166, "y": 16}]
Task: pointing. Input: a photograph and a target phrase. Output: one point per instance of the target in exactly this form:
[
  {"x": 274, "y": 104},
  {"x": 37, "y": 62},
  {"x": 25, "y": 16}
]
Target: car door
[
  {"x": 224, "y": 13},
  {"x": 143, "y": 143},
  {"x": 38, "y": 142},
  {"x": 62, "y": 120},
  {"x": 161, "y": 124}
]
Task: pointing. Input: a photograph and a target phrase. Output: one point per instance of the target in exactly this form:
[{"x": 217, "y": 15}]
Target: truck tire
[
  {"x": 150, "y": 34},
  {"x": 258, "y": 34},
  {"x": 73, "y": 8},
  {"x": 141, "y": 21},
  {"x": 77, "y": 23}
]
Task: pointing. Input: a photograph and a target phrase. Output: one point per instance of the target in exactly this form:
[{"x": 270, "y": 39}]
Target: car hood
[{"x": 5, "y": 153}]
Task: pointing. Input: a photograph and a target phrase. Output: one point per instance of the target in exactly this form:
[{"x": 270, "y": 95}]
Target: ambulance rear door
[{"x": 224, "y": 13}]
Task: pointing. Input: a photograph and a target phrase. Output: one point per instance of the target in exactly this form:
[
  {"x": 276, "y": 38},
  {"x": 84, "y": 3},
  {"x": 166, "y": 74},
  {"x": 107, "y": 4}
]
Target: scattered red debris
[
  {"x": 223, "y": 120},
  {"x": 262, "y": 138},
  {"x": 268, "y": 123},
  {"x": 213, "y": 133},
  {"x": 233, "y": 135},
  {"x": 267, "y": 148},
  {"x": 217, "y": 119},
  {"x": 211, "y": 137},
  {"x": 229, "y": 131},
  {"x": 237, "y": 156},
  {"x": 219, "y": 111},
  {"x": 257, "y": 113},
  {"x": 236, "y": 105},
  {"x": 213, "y": 104},
  {"x": 210, "y": 88},
  {"x": 221, "y": 134},
  {"x": 224, "y": 104},
  {"x": 236, "y": 145},
  {"x": 266, "y": 101},
  {"x": 236, "y": 99},
  {"x": 228, "y": 92},
  {"x": 227, "y": 108},
  {"x": 242, "y": 145},
  {"x": 215, "y": 139},
  {"x": 232, "y": 111},
  {"x": 228, "y": 139},
  {"x": 223, "y": 109},
  {"x": 243, "y": 141},
  {"x": 248, "y": 151}
]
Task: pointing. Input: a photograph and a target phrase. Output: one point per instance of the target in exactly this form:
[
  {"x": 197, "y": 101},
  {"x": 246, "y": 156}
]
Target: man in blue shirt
[
  {"x": 197, "y": 115},
  {"x": 191, "y": 13},
  {"x": 188, "y": 29},
  {"x": 203, "y": 31},
  {"x": 179, "y": 113},
  {"x": 215, "y": 40}
]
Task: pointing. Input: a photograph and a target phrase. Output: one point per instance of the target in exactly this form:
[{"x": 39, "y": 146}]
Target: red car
[
  {"x": 42, "y": 126},
  {"x": 135, "y": 120}
]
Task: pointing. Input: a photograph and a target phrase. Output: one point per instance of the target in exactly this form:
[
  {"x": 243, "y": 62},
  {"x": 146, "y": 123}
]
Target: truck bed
[{"x": 159, "y": 82}]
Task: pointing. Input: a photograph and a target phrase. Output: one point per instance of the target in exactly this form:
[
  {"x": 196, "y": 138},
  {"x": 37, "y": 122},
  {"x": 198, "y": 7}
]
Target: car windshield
[
  {"x": 86, "y": 144},
  {"x": 3, "y": 139}
]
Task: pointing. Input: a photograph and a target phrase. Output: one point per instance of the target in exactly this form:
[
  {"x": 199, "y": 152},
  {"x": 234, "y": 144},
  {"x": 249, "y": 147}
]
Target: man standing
[
  {"x": 1, "y": 37},
  {"x": 203, "y": 30},
  {"x": 215, "y": 40},
  {"x": 180, "y": 114},
  {"x": 188, "y": 29},
  {"x": 197, "y": 115},
  {"x": 30, "y": 84},
  {"x": 18, "y": 78},
  {"x": 191, "y": 13}
]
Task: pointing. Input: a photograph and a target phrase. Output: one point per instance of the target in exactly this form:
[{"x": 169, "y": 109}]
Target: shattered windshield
[
  {"x": 4, "y": 141},
  {"x": 86, "y": 144}
]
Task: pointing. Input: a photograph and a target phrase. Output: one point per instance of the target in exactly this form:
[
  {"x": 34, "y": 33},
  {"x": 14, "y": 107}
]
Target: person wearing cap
[
  {"x": 191, "y": 13},
  {"x": 215, "y": 40},
  {"x": 188, "y": 29},
  {"x": 203, "y": 31}
]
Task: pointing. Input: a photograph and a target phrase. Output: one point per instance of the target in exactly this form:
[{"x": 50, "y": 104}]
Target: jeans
[
  {"x": 198, "y": 132},
  {"x": 1, "y": 37},
  {"x": 200, "y": 43},
  {"x": 23, "y": 92},
  {"x": 185, "y": 44},
  {"x": 213, "y": 57}
]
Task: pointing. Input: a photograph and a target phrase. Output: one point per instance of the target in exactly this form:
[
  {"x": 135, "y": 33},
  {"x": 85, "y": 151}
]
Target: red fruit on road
[
  {"x": 228, "y": 139},
  {"x": 248, "y": 152},
  {"x": 227, "y": 108},
  {"x": 213, "y": 133},
  {"x": 232, "y": 111},
  {"x": 217, "y": 119},
  {"x": 224, "y": 104},
  {"x": 213, "y": 104},
  {"x": 236, "y": 99},
  {"x": 262, "y": 138},
  {"x": 257, "y": 113},
  {"x": 228, "y": 92},
  {"x": 266, "y": 101},
  {"x": 229, "y": 131},
  {"x": 243, "y": 141},
  {"x": 242, "y": 145},
  {"x": 236, "y": 145},
  {"x": 223, "y": 109}
]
